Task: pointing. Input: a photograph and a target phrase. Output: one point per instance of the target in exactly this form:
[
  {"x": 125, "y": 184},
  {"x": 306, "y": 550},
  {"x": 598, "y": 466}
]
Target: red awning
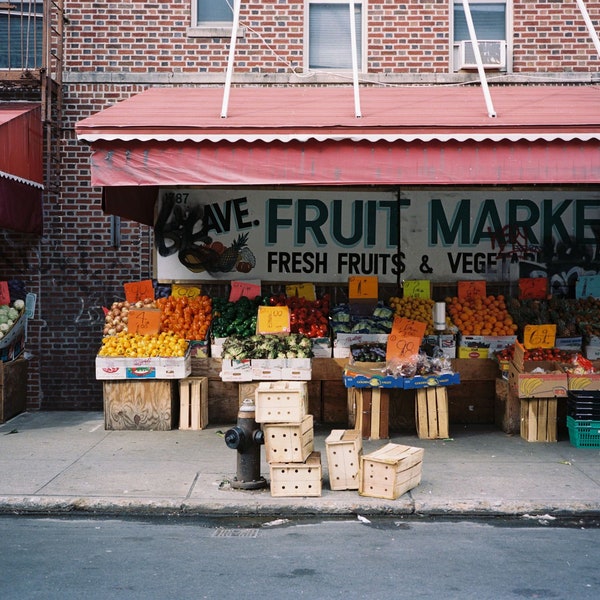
[
  {"x": 21, "y": 167},
  {"x": 309, "y": 136}
]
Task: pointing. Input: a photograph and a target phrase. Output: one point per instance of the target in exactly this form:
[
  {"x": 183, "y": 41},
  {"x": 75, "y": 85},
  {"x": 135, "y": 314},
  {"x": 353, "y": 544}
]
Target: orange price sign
[
  {"x": 405, "y": 339},
  {"x": 533, "y": 288},
  {"x": 401, "y": 348},
  {"x": 4, "y": 293},
  {"x": 247, "y": 289},
  {"x": 273, "y": 319},
  {"x": 139, "y": 290},
  {"x": 144, "y": 321},
  {"x": 364, "y": 288},
  {"x": 469, "y": 290},
  {"x": 185, "y": 291},
  {"x": 539, "y": 336}
]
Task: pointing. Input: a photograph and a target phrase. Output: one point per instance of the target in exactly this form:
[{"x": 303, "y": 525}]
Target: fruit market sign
[{"x": 295, "y": 235}]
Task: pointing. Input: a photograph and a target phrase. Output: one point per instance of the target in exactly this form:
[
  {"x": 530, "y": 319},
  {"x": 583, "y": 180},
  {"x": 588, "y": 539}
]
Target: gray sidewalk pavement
[{"x": 61, "y": 462}]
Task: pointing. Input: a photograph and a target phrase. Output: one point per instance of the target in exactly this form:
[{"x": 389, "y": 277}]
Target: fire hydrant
[{"x": 247, "y": 437}]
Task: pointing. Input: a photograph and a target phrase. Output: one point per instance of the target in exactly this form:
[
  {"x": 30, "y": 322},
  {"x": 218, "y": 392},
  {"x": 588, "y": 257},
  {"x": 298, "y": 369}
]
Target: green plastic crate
[{"x": 584, "y": 434}]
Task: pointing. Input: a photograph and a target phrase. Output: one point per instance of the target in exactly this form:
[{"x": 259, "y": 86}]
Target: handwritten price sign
[
  {"x": 301, "y": 290},
  {"x": 417, "y": 288},
  {"x": 273, "y": 319},
  {"x": 244, "y": 289},
  {"x": 144, "y": 322},
  {"x": 533, "y": 288},
  {"x": 405, "y": 339},
  {"x": 539, "y": 336},
  {"x": 138, "y": 290},
  {"x": 469, "y": 290},
  {"x": 185, "y": 291},
  {"x": 402, "y": 348},
  {"x": 587, "y": 285},
  {"x": 4, "y": 293},
  {"x": 364, "y": 288}
]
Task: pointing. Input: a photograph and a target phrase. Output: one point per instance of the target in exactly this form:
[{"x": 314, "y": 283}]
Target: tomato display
[{"x": 307, "y": 317}]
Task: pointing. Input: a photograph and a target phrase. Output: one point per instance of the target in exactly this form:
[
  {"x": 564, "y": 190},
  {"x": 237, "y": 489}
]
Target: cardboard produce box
[
  {"x": 108, "y": 367},
  {"x": 538, "y": 379}
]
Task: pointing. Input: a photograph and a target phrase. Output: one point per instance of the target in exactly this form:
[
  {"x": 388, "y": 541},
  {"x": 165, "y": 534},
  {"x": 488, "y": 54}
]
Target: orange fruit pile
[
  {"x": 187, "y": 317},
  {"x": 485, "y": 315}
]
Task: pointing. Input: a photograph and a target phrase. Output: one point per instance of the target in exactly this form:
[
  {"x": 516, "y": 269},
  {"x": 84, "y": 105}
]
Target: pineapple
[{"x": 229, "y": 258}]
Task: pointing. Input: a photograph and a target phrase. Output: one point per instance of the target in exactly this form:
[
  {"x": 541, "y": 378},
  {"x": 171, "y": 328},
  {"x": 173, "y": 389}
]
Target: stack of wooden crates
[{"x": 282, "y": 409}]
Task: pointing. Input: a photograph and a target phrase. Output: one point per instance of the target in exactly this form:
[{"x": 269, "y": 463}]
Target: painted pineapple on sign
[{"x": 185, "y": 231}]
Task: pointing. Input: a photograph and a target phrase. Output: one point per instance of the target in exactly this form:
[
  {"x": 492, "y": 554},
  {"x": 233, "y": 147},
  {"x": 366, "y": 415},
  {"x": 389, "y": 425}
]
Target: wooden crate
[
  {"x": 538, "y": 419},
  {"x": 193, "y": 403},
  {"x": 344, "y": 448},
  {"x": 431, "y": 413},
  {"x": 390, "y": 471},
  {"x": 297, "y": 479},
  {"x": 371, "y": 407},
  {"x": 149, "y": 405},
  {"x": 289, "y": 442},
  {"x": 281, "y": 401},
  {"x": 13, "y": 388}
]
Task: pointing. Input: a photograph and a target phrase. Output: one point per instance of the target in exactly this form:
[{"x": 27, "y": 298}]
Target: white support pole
[
  {"x": 234, "y": 28},
  {"x": 590, "y": 25},
  {"x": 480, "y": 69},
  {"x": 357, "y": 111}
]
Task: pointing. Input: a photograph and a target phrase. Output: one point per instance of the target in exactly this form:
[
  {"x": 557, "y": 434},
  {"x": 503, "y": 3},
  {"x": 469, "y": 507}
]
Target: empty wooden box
[
  {"x": 281, "y": 401},
  {"x": 390, "y": 471},
  {"x": 289, "y": 442},
  {"x": 297, "y": 479},
  {"x": 431, "y": 412},
  {"x": 193, "y": 403},
  {"x": 538, "y": 419},
  {"x": 344, "y": 448}
]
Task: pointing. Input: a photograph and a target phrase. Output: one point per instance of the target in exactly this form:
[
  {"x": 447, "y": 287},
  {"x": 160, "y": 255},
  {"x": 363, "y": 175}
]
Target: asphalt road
[{"x": 101, "y": 558}]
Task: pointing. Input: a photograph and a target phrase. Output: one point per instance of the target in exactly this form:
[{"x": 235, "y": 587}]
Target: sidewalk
[{"x": 54, "y": 462}]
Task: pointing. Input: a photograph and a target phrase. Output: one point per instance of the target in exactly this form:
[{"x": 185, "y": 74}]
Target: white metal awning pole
[
  {"x": 234, "y": 28},
  {"x": 480, "y": 69},
  {"x": 590, "y": 25},
  {"x": 357, "y": 111}
]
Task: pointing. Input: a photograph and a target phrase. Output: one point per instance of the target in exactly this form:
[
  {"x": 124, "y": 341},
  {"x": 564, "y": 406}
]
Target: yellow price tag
[
  {"x": 185, "y": 291},
  {"x": 539, "y": 336},
  {"x": 301, "y": 290},
  {"x": 417, "y": 288},
  {"x": 273, "y": 319}
]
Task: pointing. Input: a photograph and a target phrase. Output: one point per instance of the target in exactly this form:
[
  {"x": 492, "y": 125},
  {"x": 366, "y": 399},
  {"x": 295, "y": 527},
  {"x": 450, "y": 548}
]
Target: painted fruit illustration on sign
[{"x": 216, "y": 257}]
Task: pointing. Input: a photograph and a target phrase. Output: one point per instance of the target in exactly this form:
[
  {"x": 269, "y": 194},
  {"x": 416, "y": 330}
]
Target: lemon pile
[
  {"x": 416, "y": 309},
  {"x": 135, "y": 345}
]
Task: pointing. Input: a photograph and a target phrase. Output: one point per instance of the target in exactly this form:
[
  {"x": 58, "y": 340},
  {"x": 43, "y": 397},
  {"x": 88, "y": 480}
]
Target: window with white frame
[
  {"x": 492, "y": 22},
  {"x": 214, "y": 12},
  {"x": 21, "y": 33},
  {"x": 328, "y": 35}
]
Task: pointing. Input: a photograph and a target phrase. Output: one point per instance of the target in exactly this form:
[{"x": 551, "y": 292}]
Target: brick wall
[
  {"x": 404, "y": 37},
  {"x": 74, "y": 268}
]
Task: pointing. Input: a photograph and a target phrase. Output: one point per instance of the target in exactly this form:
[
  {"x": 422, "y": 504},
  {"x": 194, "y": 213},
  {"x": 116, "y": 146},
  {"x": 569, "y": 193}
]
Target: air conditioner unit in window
[{"x": 493, "y": 54}]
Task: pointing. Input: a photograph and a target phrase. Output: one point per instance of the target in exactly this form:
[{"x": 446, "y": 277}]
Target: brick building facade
[{"x": 114, "y": 50}]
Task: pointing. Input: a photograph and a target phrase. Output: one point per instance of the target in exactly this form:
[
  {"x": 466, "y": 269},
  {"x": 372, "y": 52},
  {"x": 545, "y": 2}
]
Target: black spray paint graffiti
[
  {"x": 184, "y": 230},
  {"x": 563, "y": 263}
]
